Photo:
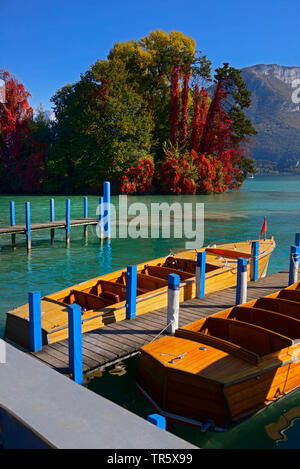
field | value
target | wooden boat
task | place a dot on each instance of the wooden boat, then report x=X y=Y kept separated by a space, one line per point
x=103 y=299
x=225 y=367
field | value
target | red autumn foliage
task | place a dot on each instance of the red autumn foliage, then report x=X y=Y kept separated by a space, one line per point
x=199 y=117
x=184 y=110
x=176 y=175
x=174 y=104
x=138 y=178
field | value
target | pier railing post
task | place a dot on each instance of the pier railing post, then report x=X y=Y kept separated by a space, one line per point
x=297 y=239
x=52 y=218
x=294 y=264
x=254 y=260
x=35 y=322
x=241 y=286
x=28 y=230
x=106 y=200
x=173 y=303
x=68 y=217
x=157 y=420
x=131 y=285
x=200 y=274
x=101 y=215
x=85 y=215
x=75 y=342
x=12 y=223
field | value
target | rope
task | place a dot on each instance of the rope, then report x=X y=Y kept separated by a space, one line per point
x=159 y=333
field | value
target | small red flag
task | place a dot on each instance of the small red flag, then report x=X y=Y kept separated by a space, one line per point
x=264 y=228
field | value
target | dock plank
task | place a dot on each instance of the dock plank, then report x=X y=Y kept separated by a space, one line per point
x=118 y=340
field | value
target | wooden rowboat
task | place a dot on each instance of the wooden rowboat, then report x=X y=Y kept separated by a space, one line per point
x=103 y=299
x=225 y=367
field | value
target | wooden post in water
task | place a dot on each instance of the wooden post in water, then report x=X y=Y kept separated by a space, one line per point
x=173 y=303
x=200 y=274
x=35 y=324
x=106 y=200
x=75 y=342
x=157 y=420
x=294 y=264
x=85 y=215
x=28 y=229
x=297 y=239
x=52 y=218
x=241 y=286
x=68 y=217
x=12 y=223
x=254 y=260
x=131 y=285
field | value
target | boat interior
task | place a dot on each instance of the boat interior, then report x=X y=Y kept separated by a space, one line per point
x=254 y=329
x=104 y=292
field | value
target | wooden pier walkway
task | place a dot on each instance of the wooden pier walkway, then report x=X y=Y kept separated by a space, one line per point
x=109 y=344
x=22 y=229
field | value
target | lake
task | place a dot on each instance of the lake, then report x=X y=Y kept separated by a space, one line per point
x=233 y=216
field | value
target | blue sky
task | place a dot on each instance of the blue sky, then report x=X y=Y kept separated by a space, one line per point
x=48 y=43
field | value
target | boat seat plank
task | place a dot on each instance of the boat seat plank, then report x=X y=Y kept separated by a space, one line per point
x=249 y=336
x=293 y=295
x=163 y=272
x=228 y=253
x=270 y=320
x=279 y=305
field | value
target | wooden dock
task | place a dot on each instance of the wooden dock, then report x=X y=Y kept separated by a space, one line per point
x=22 y=229
x=110 y=344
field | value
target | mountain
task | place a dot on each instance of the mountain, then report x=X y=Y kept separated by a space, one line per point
x=275 y=113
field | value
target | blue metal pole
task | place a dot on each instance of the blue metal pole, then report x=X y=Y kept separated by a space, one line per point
x=52 y=218
x=12 y=214
x=254 y=260
x=35 y=323
x=28 y=230
x=241 y=286
x=68 y=217
x=106 y=199
x=157 y=420
x=200 y=274
x=85 y=215
x=12 y=223
x=101 y=215
x=131 y=285
x=297 y=239
x=294 y=264
x=75 y=342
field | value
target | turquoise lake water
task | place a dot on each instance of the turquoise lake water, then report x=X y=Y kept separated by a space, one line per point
x=233 y=216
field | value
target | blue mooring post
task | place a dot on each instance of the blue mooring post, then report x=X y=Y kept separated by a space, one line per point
x=101 y=215
x=294 y=264
x=297 y=239
x=131 y=285
x=68 y=217
x=241 y=286
x=173 y=303
x=106 y=200
x=52 y=218
x=35 y=324
x=157 y=420
x=200 y=274
x=28 y=230
x=85 y=215
x=254 y=260
x=75 y=342
x=12 y=223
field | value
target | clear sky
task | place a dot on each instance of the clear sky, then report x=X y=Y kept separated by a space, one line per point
x=48 y=43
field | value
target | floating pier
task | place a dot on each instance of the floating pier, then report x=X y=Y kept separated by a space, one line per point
x=110 y=344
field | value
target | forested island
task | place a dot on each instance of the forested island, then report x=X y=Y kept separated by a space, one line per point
x=150 y=118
